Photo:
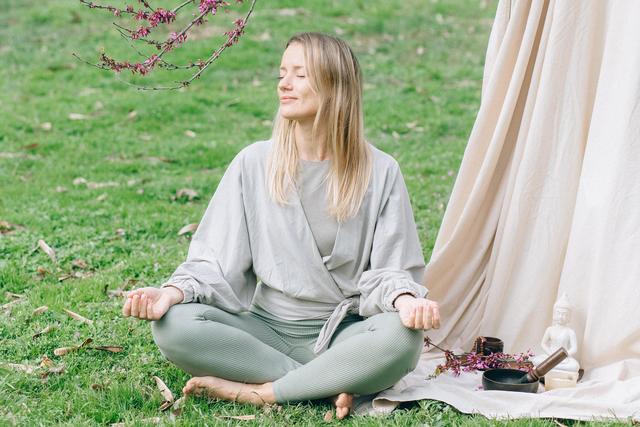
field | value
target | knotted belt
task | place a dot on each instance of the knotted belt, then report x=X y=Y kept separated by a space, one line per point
x=348 y=306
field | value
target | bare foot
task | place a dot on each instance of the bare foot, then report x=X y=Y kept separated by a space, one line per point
x=344 y=403
x=218 y=388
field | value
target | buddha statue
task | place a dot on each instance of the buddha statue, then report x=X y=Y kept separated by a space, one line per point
x=560 y=335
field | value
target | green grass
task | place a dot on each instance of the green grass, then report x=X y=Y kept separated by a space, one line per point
x=419 y=107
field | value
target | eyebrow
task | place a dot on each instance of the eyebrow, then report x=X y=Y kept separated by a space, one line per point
x=295 y=67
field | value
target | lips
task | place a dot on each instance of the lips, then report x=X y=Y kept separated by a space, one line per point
x=287 y=99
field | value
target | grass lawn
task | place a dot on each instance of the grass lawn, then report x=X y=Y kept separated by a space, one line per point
x=101 y=189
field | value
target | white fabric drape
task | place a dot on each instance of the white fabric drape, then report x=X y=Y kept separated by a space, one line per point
x=547 y=201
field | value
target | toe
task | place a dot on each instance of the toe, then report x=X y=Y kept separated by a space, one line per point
x=341 y=412
x=190 y=386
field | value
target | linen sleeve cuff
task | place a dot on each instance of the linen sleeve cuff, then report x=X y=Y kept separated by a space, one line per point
x=186 y=288
x=416 y=291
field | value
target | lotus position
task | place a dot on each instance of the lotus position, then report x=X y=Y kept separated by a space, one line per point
x=303 y=279
x=560 y=335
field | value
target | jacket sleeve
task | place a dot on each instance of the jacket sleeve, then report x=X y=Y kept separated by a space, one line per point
x=218 y=270
x=396 y=264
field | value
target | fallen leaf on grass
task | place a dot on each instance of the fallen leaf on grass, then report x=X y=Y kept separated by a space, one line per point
x=191 y=228
x=165 y=392
x=12 y=296
x=75 y=275
x=132 y=115
x=78 y=317
x=10 y=304
x=47 y=249
x=6 y=227
x=328 y=416
x=154 y=420
x=77 y=116
x=52 y=370
x=165 y=405
x=45 y=362
x=79 y=263
x=5 y=155
x=40 y=310
x=23 y=368
x=117 y=293
x=94 y=185
x=176 y=408
x=120 y=292
x=269 y=408
x=102 y=197
x=65 y=350
x=109 y=348
x=187 y=193
x=239 y=417
x=46 y=126
x=42 y=271
x=60 y=189
x=46 y=330
x=190 y=133
x=30 y=146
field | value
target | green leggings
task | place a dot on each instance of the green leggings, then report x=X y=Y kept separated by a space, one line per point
x=364 y=357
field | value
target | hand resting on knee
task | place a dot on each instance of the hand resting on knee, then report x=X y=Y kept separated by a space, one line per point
x=417 y=313
x=151 y=303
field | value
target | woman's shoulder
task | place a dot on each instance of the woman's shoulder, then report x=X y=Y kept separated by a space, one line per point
x=255 y=152
x=383 y=163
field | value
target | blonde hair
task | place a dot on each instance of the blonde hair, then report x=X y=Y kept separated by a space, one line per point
x=334 y=74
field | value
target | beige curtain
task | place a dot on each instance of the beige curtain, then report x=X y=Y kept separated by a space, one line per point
x=547 y=201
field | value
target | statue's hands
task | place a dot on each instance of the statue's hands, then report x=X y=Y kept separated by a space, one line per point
x=151 y=303
x=418 y=313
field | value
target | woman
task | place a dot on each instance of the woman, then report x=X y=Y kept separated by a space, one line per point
x=324 y=220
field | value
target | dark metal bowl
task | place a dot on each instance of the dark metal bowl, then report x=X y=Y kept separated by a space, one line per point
x=507 y=380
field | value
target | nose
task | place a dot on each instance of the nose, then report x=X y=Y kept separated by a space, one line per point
x=284 y=83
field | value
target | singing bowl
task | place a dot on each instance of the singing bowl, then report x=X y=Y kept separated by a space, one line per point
x=507 y=380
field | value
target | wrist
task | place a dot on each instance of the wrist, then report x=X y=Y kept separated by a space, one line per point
x=402 y=300
x=176 y=296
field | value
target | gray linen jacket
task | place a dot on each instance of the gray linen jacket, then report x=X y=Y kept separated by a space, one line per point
x=244 y=235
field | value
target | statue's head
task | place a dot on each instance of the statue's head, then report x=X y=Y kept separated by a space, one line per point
x=562 y=310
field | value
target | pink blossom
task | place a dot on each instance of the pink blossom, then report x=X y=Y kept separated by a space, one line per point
x=140 y=15
x=139 y=33
x=211 y=5
x=178 y=38
x=234 y=35
x=161 y=16
x=151 y=62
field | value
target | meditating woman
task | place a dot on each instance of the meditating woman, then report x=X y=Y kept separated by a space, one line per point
x=303 y=278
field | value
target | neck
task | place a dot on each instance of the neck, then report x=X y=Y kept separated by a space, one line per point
x=308 y=149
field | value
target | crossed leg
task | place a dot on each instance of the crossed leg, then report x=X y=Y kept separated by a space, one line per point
x=239 y=358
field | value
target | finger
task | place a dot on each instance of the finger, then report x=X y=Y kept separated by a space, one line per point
x=435 y=310
x=419 y=317
x=135 y=305
x=412 y=318
x=126 y=309
x=133 y=292
x=428 y=320
x=143 y=306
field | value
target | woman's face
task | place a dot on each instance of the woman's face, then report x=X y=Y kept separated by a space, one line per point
x=297 y=100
